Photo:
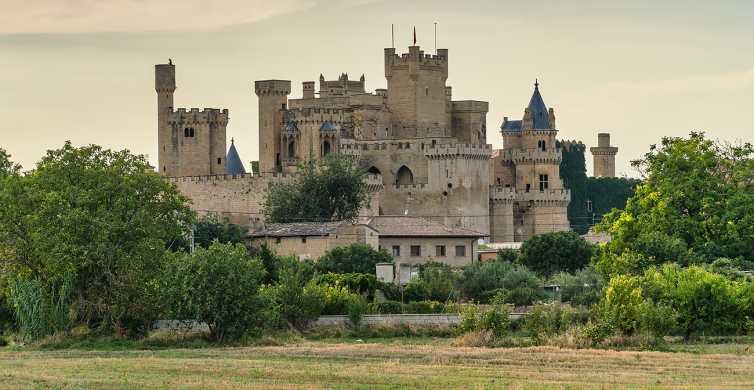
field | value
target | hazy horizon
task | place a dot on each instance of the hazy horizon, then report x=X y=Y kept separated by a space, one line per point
x=82 y=70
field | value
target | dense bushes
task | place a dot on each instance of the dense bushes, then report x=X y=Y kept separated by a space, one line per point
x=218 y=286
x=580 y=288
x=436 y=282
x=546 y=320
x=481 y=281
x=551 y=253
x=355 y=258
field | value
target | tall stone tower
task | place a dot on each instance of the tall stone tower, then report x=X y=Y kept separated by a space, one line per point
x=191 y=142
x=273 y=100
x=604 y=156
x=416 y=92
x=164 y=84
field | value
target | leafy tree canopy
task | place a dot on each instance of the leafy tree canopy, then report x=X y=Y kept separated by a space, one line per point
x=103 y=216
x=333 y=190
x=550 y=253
x=218 y=286
x=354 y=258
x=696 y=204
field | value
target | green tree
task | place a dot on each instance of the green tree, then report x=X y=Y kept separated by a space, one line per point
x=333 y=190
x=697 y=194
x=102 y=216
x=208 y=229
x=481 y=281
x=573 y=173
x=218 y=286
x=436 y=282
x=298 y=299
x=354 y=258
x=550 y=253
x=7 y=166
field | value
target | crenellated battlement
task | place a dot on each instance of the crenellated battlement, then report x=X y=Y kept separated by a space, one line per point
x=239 y=177
x=557 y=197
x=502 y=194
x=197 y=115
x=272 y=87
x=533 y=156
x=415 y=60
x=472 y=151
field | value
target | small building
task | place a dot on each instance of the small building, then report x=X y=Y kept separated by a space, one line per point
x=311 y=240
x=413 y=241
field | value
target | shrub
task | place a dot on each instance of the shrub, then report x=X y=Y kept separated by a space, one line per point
x=551 y=253
x=546 y=320
x=423 y=307
x=356 y=309
x=298 y=301
x=581 y=288
x=337 y=299
x=355 y=258
x=219 y=286
x=362 y=284
x=482 y=280
x=495 y=320
x=436 y=282
x=507 y=255
x=387 y=307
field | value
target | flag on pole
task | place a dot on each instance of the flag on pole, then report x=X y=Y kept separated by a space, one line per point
x=414 y=35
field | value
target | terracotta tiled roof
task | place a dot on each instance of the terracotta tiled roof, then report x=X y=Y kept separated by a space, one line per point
x=404 y=226
x=298 y=229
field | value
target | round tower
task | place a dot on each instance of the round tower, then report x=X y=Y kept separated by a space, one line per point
x=164 y=85
x=604 y=156
x=273 y=101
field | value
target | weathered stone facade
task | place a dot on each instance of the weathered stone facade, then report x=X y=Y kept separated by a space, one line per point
x=427 y=155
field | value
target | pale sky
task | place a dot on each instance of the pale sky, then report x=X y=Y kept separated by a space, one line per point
x=82 y=70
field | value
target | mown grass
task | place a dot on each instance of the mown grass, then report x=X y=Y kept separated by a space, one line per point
x=369 y=365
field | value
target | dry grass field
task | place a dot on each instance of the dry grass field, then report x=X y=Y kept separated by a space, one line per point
x=315 y=365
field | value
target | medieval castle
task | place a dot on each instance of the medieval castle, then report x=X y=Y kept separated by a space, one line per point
x=427 y=153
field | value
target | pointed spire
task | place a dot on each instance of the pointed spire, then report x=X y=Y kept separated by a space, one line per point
x=414 y=35
x=233 y=164
x=538 y=109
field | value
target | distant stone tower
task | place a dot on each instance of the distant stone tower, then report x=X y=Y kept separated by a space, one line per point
x=273 y=101
x=604 y=156
x=191 y=141
x=164 y=84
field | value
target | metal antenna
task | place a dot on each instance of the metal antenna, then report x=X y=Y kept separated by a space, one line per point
x=392 y=35
x=435 y=37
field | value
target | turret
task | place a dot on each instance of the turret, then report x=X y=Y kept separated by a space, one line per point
x=604 y=156
x=164 y=85
x=273 y=101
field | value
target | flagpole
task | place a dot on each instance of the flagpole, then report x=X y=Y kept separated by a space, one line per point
x=435 y=37
x=392 y=35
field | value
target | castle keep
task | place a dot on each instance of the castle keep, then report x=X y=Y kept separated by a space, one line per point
x=427 y=154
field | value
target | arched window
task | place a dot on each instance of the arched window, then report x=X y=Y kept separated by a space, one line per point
x=374 y=171
x=292 y=149
x=404 y=176
x=325 y=148
x=186 y=132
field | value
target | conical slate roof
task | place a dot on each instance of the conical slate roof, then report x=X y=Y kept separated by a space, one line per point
x=233 y=164
x=539 y=110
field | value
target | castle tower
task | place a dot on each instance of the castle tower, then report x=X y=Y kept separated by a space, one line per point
x=416 y=91
x=273 y=101
x=164 y=84
x=191 y=142
x=604 y=156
